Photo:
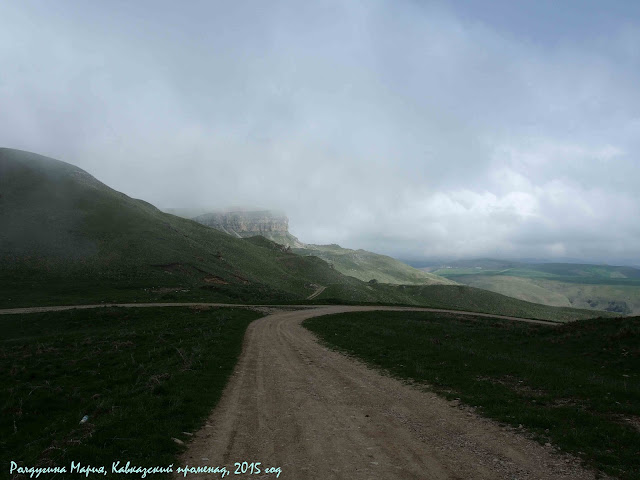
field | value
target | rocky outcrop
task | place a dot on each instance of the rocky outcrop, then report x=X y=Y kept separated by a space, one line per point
x=245 y=224
x=355 y=263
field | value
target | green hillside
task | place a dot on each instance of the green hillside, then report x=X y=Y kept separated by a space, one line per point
x=361 y=264
x=576 y=386
x=368 y=266
x=69 y=239
x=141 y=375
x=455 y=297
x=597 y=287
x=568 y=272
x=282 y=238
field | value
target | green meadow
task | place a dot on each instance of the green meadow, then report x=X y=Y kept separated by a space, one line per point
x=143 y=376
x=575 y=385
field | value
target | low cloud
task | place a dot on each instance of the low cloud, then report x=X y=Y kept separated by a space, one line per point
x=417 y=130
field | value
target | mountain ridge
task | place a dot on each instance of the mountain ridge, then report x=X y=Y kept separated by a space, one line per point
x=69 y=239
x=360 y=264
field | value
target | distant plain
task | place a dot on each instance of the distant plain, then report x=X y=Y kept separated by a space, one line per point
x=598 y=287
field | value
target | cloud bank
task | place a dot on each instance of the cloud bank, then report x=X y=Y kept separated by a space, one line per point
x=414 y=129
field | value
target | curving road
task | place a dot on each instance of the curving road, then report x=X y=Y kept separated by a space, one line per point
x=317 y=414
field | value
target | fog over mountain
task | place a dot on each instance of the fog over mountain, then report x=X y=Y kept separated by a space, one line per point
x=414 y=129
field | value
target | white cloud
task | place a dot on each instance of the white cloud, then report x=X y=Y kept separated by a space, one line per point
x=394 y=126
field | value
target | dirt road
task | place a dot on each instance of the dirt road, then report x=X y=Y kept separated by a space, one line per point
x=316 y=414
x=59 y=308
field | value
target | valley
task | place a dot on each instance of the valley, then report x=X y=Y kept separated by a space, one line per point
x=597 y=287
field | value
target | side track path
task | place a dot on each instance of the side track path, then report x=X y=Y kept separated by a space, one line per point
x=320 y=289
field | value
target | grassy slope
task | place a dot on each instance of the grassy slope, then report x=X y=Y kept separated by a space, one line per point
x=577 y=385
x=597 y=287
x=455 y=297
x=577 y=271
x=622 y=298
x=360 y=264
x=142 y=376
x=69 y=239
x=522 y=288
x=367 y=266
x=282 y=238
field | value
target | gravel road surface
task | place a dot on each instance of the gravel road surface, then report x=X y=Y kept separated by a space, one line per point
x=316 y=414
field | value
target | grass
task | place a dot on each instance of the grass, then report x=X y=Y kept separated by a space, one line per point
x=595 y=287
x=66 y=236
x=367 y=266
x=601 y=296
x=576 y=385
x=454 y=297
x=579 y=273
x=143 y=376
x=69 y=239
x=359 y=264
x=459 y=275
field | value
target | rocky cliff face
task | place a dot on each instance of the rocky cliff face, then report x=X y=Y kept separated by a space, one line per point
x=246 y=224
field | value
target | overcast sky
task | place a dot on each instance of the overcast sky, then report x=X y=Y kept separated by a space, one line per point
x=413 y=128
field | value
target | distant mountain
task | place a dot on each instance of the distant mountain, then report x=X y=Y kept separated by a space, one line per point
x=360 y=264
x=565 y=271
